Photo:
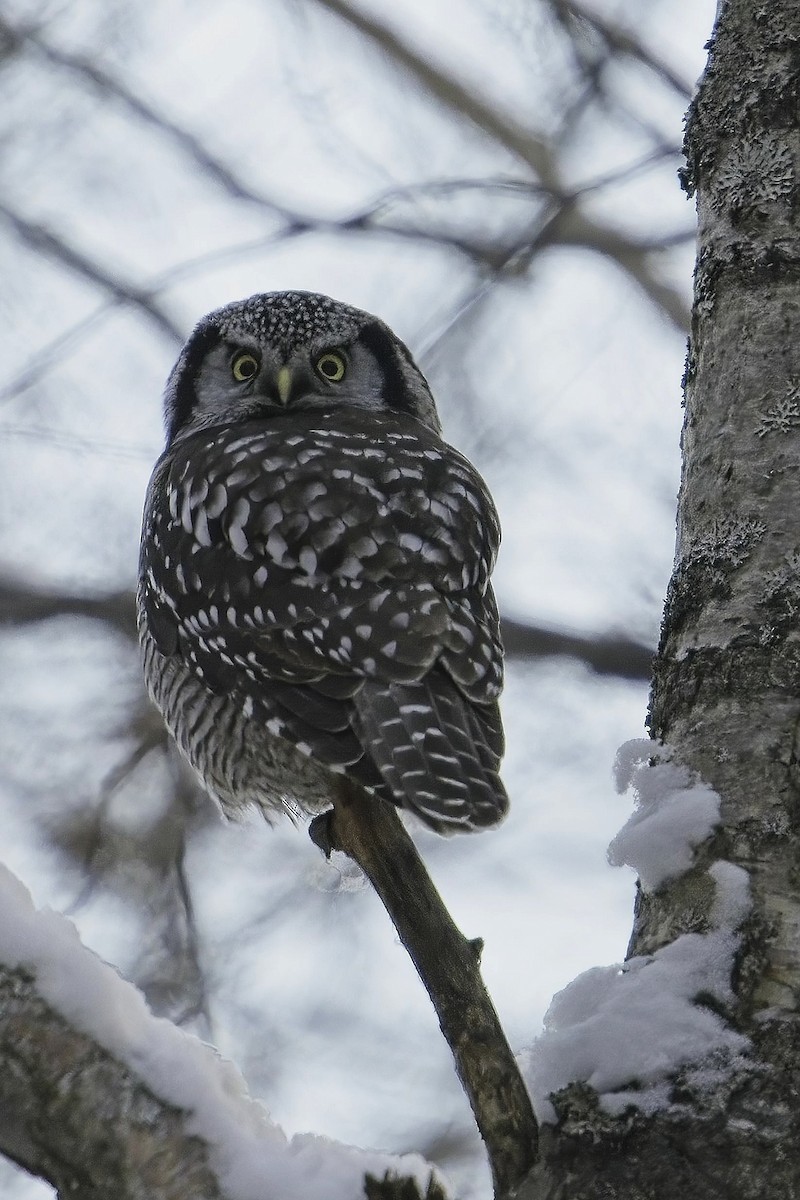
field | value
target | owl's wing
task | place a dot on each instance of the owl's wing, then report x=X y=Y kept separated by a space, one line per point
x=438 y=753
x=343 y=576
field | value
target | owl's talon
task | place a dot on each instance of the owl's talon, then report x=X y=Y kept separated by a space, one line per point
x=321 y=832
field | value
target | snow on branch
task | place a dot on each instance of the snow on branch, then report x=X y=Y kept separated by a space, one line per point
x=626 y=1030
x=102 y=1098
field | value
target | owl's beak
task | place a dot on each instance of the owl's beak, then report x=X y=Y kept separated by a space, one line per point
x=283 y=382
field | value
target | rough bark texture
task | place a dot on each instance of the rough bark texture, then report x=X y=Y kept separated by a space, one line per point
x=449 y=966
x=726 y=691
x=73 y=1115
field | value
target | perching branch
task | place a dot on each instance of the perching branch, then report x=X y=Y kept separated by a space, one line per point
x=372 y=835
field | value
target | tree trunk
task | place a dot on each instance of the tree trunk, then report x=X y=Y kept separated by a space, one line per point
x=726 y=691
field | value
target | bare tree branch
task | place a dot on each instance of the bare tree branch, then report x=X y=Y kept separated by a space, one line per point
x=109 y=85
x=576 y=229
x=523 y=143
x=606 y=655
x=620 y=41
x=565 y=226
x=47 y=243
x=499 y=256
x=22 y=603
x=573 y=228
x=72 y=1114
x=373 y=836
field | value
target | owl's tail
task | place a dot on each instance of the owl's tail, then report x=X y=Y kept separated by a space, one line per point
x=437 y=752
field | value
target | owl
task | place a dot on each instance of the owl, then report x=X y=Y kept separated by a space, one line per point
x=314 y=598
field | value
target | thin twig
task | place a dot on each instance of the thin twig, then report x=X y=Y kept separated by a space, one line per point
x=110 y=85
x=621 y=42
x=43 y=241
x=462 y=99
x=372 y=835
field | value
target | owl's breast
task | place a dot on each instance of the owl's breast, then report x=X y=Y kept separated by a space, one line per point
x=339 y=497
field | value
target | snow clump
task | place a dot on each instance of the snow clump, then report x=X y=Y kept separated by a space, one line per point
x=674 y=813
x=626 y=1029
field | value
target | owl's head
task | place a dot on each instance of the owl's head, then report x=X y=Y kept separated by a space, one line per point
x=281 y=351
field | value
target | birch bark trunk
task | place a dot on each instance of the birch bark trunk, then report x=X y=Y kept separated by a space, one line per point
x=726 y=690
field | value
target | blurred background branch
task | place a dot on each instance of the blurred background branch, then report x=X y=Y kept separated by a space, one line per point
x=21 y=604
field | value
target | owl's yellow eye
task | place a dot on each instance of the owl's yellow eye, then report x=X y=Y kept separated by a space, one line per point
x=244 y=366
x=331 y=366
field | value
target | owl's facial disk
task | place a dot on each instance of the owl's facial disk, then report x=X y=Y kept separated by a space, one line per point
x=291 y=351
x=247 y=381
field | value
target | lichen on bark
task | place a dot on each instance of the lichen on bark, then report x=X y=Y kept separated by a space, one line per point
x=726 y=687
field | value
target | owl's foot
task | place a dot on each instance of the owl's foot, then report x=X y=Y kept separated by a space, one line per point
x=321 y=832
